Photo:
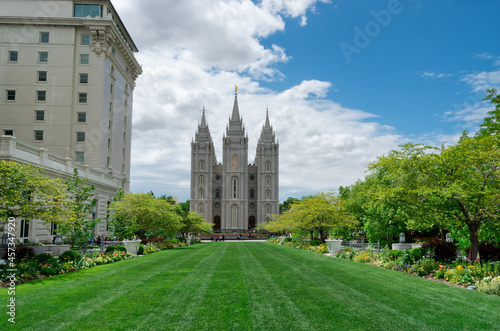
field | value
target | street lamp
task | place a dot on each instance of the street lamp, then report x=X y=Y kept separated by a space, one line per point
x=449 y=239
x=94 y=212
x=58 y=240
x=402 y=238
x=5 y=240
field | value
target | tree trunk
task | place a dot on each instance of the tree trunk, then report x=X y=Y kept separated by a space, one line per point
x=474 y=241
x=312 y=234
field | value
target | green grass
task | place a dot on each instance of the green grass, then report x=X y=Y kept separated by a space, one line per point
x=246 y=286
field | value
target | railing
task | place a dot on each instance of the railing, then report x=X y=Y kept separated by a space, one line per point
x=360 y=245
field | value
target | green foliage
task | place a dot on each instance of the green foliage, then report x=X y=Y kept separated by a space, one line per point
x=319 y=214
x=454 y=188
x=490 y=285
x=22 y=252
x=69 y=256
x=43 y=257
x=112 y=249
x=18 y=185
x=141 y=212
x=287 y=204
x=314 y=242
x=491 y=123
x=79 y=226
x=193 y=222
x=289 y=239
x=140 y=251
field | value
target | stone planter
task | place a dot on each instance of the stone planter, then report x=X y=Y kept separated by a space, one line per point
x=401 y=247
x=281 y=239
x=54 y=250
x=333 y=246
x=132 y=246
x=188 y=241
x=416 y=246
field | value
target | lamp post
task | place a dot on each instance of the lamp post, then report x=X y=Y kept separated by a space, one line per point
x=449 y=239
x=402 y=238
x=5 y=240
x=58 y=240
x=94 y=212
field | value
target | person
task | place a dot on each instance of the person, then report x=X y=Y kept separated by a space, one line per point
x=223 y=238
x=114 y=238
x=98 y=240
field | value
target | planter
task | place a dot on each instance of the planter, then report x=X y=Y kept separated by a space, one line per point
x=188 y=241
x=416 y=246
x=132 y=246
x=333 y=246
x=281 y=239
x=55 y=250
x=401 y=247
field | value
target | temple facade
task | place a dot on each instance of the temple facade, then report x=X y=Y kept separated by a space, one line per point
x=235 y=195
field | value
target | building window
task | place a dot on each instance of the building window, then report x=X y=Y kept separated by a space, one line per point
x=124 y=136
x=85 y=41
x=84 y=59
x=53 y=229
x=252 y=194
x=39 y=115
x=38 y=135
x=88 y=10
x=44 y=37
x=217 y=205
x=268 y=180
x=111 y=86
x=123 y=168
x=126 y=103
x=200 y=208
x=82 y=117
x=80 y=137
x=202 y=165
x=124 y=123
x=268 y=209
x=234 y=188
x=234 y=216
x=252 y=205
x=124 y=152
x=43 y=57
x=268 y=194
x=11 y=95
x=235 y=162
x=268 y=166
x=84 y=78
x=41 y=95
x=109 y=142
x=82 y=97
x=202 y=180
x=252 y=178
x=79 y=156
x=108 y=161
x=110 y=124
x=25 y=227
x=202 y=194
x=8 y=132
x=42 y=76
x=217 y=194
x=110 y=106
x=13 y=56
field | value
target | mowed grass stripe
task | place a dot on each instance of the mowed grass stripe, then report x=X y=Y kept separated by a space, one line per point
x=270 y=306
x=102 y=291
x=246 y=286
x=392 y=299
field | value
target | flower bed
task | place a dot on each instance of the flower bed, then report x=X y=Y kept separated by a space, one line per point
x=319 y=248
x=485 y=276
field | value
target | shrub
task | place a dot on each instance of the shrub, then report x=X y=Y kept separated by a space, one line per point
x=140 y=251
x=364 y=257
x=313 y=242
x=21 y=252
x=43 y=257
x=109 y=249
x=112 y=249
x=395 y=254
x=289 y=239
x=489 y=285
x=417 y=254
x=181 y=239
x=195 y=241
x=443 y=251
x=69 y=256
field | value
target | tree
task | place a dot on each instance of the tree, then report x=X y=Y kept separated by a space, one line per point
x=287 y=204
x=193 y=222
x=491 y=123
x=80 y=224
x=185 y=207
x=26 y=193
x=141 y=212
x=381 y=213
x=456 y=187
x=320 y=214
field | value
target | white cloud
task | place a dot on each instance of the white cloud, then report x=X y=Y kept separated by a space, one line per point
x=435 y=75
x=192 y=53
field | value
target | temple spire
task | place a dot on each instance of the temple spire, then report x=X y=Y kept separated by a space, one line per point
x=236 y=111
x=203 y=120
x=267 y=125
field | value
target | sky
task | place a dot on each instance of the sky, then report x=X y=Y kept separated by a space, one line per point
x=345 y=81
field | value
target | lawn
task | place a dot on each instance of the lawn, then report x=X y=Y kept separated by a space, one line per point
x=246 y=286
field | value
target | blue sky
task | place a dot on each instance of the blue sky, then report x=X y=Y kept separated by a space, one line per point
x=416 y=76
